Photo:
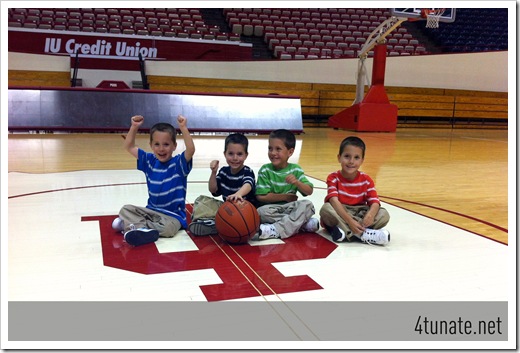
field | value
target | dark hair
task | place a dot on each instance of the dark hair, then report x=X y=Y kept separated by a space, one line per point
x=286 y=136
x=238 y=139
x=352 y=141
x=164 y=127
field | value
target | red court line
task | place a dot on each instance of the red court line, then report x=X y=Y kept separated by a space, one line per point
x=505 y=230
x=452 y=225
x=448 y=211
x=72 y=188
x=85 y=187
x=322 y=188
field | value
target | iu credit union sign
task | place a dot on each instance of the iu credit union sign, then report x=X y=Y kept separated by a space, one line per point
x=120 y=52
x=102 y=47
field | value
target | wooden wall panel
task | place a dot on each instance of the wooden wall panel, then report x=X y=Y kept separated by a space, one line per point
x=38 y=78
x=317 y=99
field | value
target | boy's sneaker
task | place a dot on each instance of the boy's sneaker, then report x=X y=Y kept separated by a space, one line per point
x=311 y=226
x=118 y=225
x=203 y=227
x=141 y=236
x=376 y=236
x=338 y=235
x=268 y=231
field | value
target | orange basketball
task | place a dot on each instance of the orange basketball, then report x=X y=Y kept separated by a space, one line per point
x=237 y=222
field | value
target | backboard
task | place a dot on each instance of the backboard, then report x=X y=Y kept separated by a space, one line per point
x=419 y=13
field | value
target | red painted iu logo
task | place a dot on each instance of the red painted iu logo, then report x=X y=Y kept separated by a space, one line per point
x=246 y=271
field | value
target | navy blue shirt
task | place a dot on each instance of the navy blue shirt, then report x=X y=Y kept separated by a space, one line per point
x=228 y=183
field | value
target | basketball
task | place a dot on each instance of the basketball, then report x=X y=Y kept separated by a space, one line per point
x=237 y=222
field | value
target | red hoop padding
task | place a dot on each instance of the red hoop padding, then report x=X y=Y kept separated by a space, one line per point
x=426 y=12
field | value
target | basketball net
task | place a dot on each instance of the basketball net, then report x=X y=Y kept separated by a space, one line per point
x=432 y=17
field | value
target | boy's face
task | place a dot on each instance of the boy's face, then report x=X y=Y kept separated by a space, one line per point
x=350 y=160
x=235 y=154
x=278 y=153
x=162 y=146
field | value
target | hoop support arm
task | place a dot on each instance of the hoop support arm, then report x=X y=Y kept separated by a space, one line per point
x=379 y=34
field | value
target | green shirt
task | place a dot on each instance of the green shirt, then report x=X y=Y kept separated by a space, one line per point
x=271 y=180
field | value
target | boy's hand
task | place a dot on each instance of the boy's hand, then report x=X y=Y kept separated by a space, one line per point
x=291 y=197
x=356 y=227
x=235 y=198
x=137 y=120
x=291 y=179
x=368 y=220
x=181 y=120
x=213 y=165
x=303 y=188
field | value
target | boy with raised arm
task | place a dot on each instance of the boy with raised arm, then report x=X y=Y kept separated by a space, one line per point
x=166 y=179
x=235 y=182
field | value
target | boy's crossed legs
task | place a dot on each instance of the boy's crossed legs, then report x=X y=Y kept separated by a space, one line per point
x=142 y=225
x=340 y=230
x=285 y=220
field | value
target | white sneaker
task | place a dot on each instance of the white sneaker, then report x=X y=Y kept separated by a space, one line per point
x=376 y=236
x=311 y=226
x=268 y=231
x=118 y=225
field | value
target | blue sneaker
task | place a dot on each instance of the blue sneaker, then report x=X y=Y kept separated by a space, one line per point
x=337 y=234
x=141 y=236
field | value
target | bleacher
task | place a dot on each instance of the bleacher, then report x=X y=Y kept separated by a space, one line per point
x=288 y=33
x=167 y=22
x=298 y=34
x=319 y=33
x=302 y=33
x=475 y=30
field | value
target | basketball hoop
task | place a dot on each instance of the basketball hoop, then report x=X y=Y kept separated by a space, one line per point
x=432 y=17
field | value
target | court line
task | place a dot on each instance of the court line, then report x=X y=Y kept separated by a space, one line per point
x=280 y=315
x=87 y=187
x=71 y=188
x=448 y=211
x=505 y=230
x=449 y=224
x=316 y=187
x=274 y=292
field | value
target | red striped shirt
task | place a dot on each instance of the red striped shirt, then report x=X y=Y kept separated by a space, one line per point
x=360 y=191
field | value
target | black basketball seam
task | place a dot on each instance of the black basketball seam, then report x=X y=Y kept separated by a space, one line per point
x=228 y=223
x=243 y=218
x=239 y=237
x=249 y=231
x=255 y=212
x=244 y=222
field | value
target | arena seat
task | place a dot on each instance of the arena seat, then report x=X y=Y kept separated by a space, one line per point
x=330 y=28
x=155 y=22
x=345 y=29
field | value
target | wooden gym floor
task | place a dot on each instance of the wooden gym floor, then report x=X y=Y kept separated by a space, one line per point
x=446 y=192
x=456 y=176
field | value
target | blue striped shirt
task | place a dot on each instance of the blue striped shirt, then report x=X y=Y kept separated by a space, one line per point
x=167 y=183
